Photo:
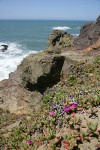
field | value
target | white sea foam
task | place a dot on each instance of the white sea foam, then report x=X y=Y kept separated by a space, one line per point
x=61 y=28
x=11 y=58
x=75 y=35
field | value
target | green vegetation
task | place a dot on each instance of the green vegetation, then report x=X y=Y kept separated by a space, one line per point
x=58 y=123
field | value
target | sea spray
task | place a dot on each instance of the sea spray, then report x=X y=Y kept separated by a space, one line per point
x=10 y=59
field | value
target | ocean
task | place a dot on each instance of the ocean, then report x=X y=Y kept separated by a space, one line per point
x=24 y=37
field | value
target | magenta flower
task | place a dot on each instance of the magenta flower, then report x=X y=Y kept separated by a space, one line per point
x=29 y=142
x=66 y=108
x=52 y=113
x=73 y=106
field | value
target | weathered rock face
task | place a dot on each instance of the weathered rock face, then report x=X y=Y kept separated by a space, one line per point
x=89 y=35
x=21 y=93
x=41 y=71
x=15 y=98
x=58 y=40
x=94 y=47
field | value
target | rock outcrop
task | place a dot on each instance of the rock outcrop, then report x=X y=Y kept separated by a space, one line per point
x=3 y=48
x=57 y=41
x=89 y=35
x=22 y=92
x=41 y=71
x=95 y=46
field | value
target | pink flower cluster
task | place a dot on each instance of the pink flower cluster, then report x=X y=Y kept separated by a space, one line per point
x=29 y=142
x=71 y=107
x=52 y=113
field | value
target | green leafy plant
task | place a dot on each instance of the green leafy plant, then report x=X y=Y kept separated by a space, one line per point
x=71 y=80
x=46 y=99
x=93 y=128
x=97 y=60
x=83 y=136
x=69 y=142
x=74 y=121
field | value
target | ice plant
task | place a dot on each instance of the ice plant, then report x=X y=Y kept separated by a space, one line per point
x=93 y=129
x=66 y=144
x=29 y=142
x=52 y=113
x=92 y=126
x=73 y=106
x=67 y=108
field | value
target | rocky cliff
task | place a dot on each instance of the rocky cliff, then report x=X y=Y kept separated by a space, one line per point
x=56 y=96
x=23 y=91
x=89 y=36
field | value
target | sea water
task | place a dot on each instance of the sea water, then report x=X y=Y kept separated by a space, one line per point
x=24 y=37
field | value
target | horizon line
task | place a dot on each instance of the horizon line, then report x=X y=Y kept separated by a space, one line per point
x=50 y=19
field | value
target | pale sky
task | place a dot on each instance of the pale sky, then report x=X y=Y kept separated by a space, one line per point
x=50 y=9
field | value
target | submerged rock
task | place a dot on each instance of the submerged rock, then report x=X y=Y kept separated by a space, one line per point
x=3 y=47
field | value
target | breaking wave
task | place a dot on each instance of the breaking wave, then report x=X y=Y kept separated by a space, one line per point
x=61 y=28
x=11 y=58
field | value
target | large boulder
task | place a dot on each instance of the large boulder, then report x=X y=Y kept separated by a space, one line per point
x=22 y=92
x=89 y=35
x=41 y=71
